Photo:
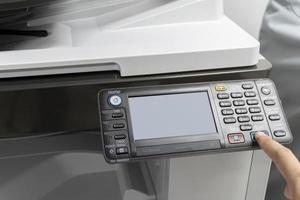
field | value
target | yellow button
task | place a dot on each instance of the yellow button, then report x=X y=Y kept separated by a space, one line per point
x=221 y=87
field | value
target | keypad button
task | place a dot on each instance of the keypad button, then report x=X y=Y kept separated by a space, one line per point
x=242 y=119
x=241 y=111
x=115 y=100
x=252 y=102
x=122 y=150
x=223 y=96
x=246 y=127
x=120 y=137
x=274 y=117
x=279 y=133
x=119 y=126
x=257 y=118
x=236 y=95
x=239 y=103
x=255 y=110
x=269 y=102
x=247 y=86
x=236 y=138
x=265 y=90
x=227 y=112
x=229 y=120
x=250 y=94
x=225 y=103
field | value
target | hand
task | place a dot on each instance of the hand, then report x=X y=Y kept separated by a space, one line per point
x=285 y=161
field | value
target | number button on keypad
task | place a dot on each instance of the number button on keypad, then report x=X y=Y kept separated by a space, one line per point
x=229 y=120
x=239 y=103
x=254 y=109
x=252 y=102
x=241 y=111
x=225 y=103
x=243 y=119
x=223 y=96
x=257 y=118
x=246 y=127
x=236 y=95
x=227 y=112
x=250 y=94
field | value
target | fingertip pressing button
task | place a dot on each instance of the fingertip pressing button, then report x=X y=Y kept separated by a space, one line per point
x=253 y=134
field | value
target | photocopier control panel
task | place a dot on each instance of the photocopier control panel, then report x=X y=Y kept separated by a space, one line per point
x=174 y=120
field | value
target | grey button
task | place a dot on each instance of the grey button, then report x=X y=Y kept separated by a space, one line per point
x=250 y=94
x=239 y=103
x=279 y=133
x=269 y=102
x=117 y=115
x=255 y=110
x=119 y=126
x=274 y=117
x=122 y=150
x=257 y=118
x=236 y=95
x=112 y=114
x=266 y=90
x=229 y=120
x=241 y=111
x=227 y=112
x=247 y=86
x=223 y=96
x=120 y=137
x=115 y=100
x=225 y=103
x=242 y=119
x=246 y=127
x=252 y=102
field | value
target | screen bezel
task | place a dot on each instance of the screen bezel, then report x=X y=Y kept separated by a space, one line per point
x=150 y=91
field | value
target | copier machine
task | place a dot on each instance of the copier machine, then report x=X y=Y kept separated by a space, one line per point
x=55 y=58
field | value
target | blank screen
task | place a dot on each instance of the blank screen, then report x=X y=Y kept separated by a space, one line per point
x=172 y=115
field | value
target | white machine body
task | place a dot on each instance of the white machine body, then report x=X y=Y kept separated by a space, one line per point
x=168 y=37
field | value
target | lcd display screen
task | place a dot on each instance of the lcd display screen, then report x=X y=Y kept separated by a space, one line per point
x=172 y=115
